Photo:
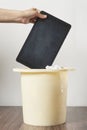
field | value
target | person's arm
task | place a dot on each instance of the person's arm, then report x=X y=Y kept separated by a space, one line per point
x=16 y=16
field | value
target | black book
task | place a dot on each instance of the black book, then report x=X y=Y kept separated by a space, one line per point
x=43 y=42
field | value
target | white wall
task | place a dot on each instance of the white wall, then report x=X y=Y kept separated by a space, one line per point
x=72 y=54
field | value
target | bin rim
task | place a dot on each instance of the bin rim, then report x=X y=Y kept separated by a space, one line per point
x=28 y=70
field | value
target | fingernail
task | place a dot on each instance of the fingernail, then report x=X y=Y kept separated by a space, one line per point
x=45 y=16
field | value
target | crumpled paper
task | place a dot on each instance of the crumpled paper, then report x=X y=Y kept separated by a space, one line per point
x=53 y=67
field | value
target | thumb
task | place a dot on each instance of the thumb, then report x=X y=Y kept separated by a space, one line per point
x=42 y=16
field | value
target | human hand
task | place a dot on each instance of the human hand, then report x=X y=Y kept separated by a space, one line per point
x=30 y=16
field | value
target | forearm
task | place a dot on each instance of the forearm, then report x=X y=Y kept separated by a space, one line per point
x=7 y=15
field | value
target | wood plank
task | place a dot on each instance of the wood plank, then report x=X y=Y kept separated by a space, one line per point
x=10 y=118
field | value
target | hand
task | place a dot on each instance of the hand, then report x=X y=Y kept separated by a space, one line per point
x=31 y=15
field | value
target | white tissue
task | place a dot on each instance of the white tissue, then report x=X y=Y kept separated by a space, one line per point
x=54 y=67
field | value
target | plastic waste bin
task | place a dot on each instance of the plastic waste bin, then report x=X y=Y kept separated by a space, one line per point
x=44 y=94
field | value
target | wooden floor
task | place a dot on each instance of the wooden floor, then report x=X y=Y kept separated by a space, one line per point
x=11 y=119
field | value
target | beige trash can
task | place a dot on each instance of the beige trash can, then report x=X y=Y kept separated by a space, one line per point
x=44 y=94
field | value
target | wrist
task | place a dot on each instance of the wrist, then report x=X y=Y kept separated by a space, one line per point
x=17 y=16
x=21 y=17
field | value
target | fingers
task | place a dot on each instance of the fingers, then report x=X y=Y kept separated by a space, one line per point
x=31 y=15
x=38 y=14
x=33 y=20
